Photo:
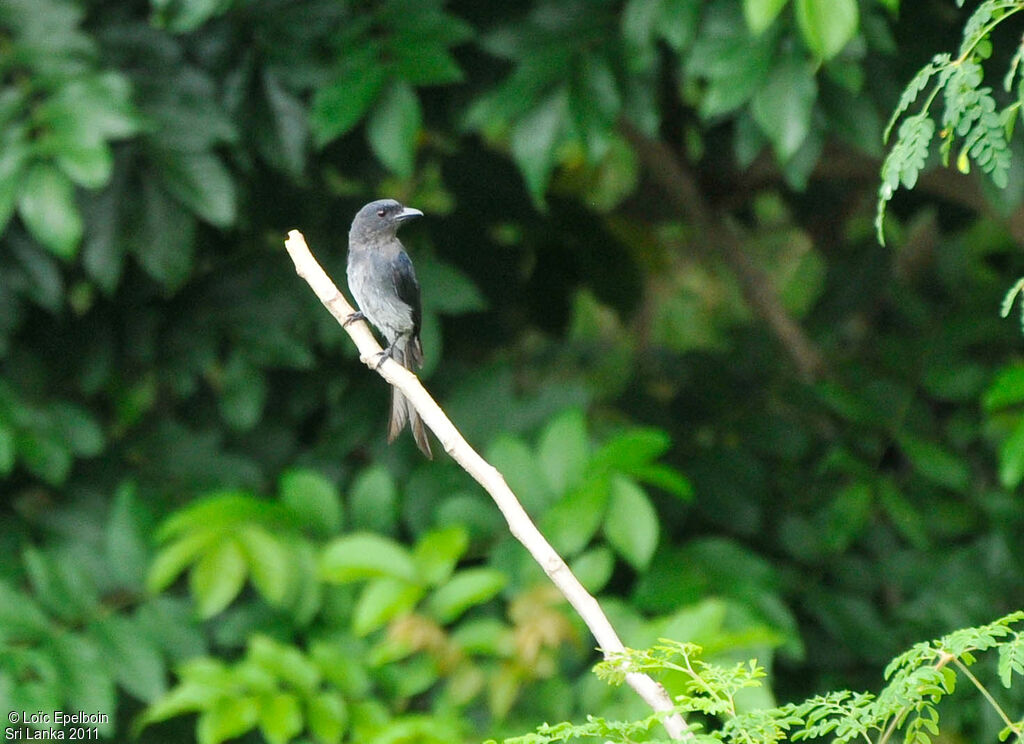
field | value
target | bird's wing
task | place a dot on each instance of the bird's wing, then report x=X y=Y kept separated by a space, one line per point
x=408 y=288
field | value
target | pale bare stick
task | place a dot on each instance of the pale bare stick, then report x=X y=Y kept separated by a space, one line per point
x=519 y=522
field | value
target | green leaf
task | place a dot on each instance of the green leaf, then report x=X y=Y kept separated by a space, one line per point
x=45 y=455
x=281 y=718
x=87 y=162
x=313 y=499
x=79 y=430
x=381 y=601
x=935 y=463
x=760 y=14
x=1011 y=457
x=732 y=62
x=535 y=138
x=7 y=449
x=1007 y=389
x=218 y=577
x=230 y=717
x=126 y=549
x=393 y=128
x=270 y=563
x=373 y=500
x=632 y=449
x=339 y=106
x=594 y=568
x=327 y=717
x=447 y=289
x=464 y=590
x=437 y=552
x=164 y=241
x=173 y=559
x=826 y=25
x=631 y=524
x=19 y=612
x=201 y=182
x=564 y=450
x=518 y=464
x=243 y=393
x=666 y=478
x=183 y=16
x=285 y=663
x=783 y=106
x=131 y=657
x=365 y=555
x=219 y=511
x=47 y=205
x=14 y=155
x=425 y=63
x=571 y=523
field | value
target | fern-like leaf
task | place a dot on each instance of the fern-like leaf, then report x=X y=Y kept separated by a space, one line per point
x=1011 y=660
x=904 y=162
x=977 y=26
x=917 y=84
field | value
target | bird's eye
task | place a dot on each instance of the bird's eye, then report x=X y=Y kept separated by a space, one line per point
x=381 y=212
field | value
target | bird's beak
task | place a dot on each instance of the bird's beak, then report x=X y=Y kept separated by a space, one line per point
x=408 y=213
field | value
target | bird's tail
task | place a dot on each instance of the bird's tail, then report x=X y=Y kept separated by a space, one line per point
x=409 y=354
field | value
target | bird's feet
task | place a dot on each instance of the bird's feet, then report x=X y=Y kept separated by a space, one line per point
x=388 y=353
x=357 y=315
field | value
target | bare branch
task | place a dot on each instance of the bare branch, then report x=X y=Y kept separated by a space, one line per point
x=519 y=522
x=758 y=289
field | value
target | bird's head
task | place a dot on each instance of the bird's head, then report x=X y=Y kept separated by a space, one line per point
x=381 y=218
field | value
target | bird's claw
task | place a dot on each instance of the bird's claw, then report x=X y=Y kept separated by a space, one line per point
x=352 y=318
x=387 y=353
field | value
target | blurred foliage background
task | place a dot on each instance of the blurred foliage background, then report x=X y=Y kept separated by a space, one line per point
x=652 y=296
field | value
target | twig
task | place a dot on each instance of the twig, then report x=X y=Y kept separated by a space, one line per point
x=486 y=475
x=758 y=289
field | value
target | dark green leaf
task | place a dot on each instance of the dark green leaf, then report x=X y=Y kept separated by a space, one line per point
x=393 y=128
x=125 y=546
x=131 y=657
x=339 y=106
x=201 y=182
x=783 y=106
x=242 y=395
x=933 y=462
x=535 y=138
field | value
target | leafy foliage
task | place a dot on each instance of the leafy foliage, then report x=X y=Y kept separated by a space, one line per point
x=969 y=112
x=633 y=209
x=917 y=681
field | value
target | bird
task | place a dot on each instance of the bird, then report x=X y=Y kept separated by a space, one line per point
x=383 y=284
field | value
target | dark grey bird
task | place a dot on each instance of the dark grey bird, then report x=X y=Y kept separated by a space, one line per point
x=383 y=283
